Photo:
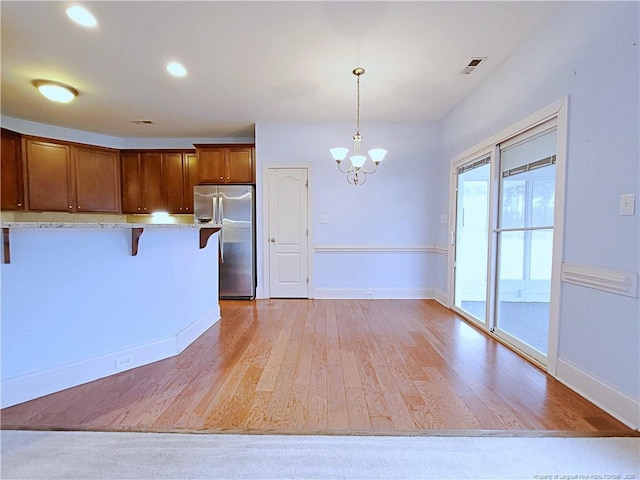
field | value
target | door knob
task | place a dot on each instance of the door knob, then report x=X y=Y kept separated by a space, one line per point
x=273 y=240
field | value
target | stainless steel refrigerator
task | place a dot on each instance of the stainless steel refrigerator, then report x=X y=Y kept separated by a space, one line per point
x=232 y=207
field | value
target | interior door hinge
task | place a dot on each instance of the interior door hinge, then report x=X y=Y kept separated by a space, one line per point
x=306 y=184
x=307 y=280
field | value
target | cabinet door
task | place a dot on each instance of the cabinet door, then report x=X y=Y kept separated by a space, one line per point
x=174 y=182
x=240 y=165
x=97 y=180
x=131 y=183
x=152 y=182
x=190 y=166
x=11 y=172
x=211 y=165
x=48 y=176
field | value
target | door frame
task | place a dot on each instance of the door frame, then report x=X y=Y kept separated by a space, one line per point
x=558 y=110
x=264 y=241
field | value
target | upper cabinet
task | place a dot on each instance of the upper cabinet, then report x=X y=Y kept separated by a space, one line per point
x=180 y=176
x=142 y=188
x=63 y=177
x=225 y=164
x=154 y=181
x=97 y=179
x=11 y=188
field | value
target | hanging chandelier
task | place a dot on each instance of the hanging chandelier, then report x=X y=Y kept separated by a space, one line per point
x=356 y=173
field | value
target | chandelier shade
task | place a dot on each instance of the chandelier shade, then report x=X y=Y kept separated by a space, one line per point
x=356 y=173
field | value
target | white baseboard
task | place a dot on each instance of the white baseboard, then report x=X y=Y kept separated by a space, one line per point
x=44 y=382
x=383 y=293
x=440 y=297
x=612 y=401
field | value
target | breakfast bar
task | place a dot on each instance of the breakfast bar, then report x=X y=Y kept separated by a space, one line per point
x=81 y=301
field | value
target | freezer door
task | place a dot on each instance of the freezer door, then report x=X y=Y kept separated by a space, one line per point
x=205 y=203
x=237 y=267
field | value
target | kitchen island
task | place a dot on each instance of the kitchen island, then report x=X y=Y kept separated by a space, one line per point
x=81 y=301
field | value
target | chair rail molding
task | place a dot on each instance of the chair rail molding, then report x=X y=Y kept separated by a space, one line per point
x=431 y=249
x=607 y=280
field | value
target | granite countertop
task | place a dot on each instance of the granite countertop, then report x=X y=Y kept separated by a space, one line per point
x=106 y=225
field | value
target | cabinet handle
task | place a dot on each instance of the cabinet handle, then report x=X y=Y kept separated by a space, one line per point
x=221 y=178
x=19 y=204
x=138 y=208
x=79 y=207
x=70 y=206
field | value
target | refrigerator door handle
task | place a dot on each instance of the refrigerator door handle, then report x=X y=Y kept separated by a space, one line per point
x=214 y=205
x=220 y=216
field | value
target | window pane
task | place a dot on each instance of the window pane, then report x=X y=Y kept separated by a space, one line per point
x=543 y=197
x=512 y=208
x=472 y=236
x=541 y=254
x=512 y=255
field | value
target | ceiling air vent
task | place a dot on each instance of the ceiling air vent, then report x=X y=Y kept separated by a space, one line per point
x=475 y=61
x=142 y=122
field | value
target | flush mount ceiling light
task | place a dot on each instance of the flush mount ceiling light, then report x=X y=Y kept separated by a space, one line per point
x=56 y=91
x=356 y=174
x=176 y=69
x=81 y=16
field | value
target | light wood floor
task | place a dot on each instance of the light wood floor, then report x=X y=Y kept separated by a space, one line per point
x=327 y=366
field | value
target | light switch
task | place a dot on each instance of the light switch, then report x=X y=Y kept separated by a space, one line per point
x=628 y=204
x=324 y=218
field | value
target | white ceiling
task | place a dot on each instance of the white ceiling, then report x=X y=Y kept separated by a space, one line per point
x=251 y=62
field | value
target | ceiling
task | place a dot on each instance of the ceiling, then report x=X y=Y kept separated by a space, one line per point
x=251 y=62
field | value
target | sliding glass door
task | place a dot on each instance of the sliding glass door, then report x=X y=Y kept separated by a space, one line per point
x=503 y=238
x=472 y=237
x=525 y=240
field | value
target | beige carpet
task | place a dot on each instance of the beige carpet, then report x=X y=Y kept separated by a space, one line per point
x=76 y=455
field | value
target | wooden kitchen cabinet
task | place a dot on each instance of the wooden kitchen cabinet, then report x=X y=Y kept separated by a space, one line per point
x=180 y=176
x=97 y=179
x=11 y=186
x=49 y=176
x=225 y=164
x=63 y=177
x=142 y=182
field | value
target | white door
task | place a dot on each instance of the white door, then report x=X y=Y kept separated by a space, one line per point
x=288 y=233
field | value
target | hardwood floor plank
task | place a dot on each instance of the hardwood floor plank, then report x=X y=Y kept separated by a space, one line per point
x=328 y=366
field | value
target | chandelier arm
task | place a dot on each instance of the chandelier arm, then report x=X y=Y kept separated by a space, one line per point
x=343 y=171
x=375 y=167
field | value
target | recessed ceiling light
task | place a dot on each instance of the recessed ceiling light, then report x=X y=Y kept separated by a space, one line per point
x=56 y=91
x=81 y=16
x=174 y=68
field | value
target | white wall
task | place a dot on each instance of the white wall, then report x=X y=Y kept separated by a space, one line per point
x=589 y=51
x=73 y=301
x=395 y=208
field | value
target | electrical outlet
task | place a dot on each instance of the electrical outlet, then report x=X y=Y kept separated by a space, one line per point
x=124 y=362
x=368 y=294
x=324 y=218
